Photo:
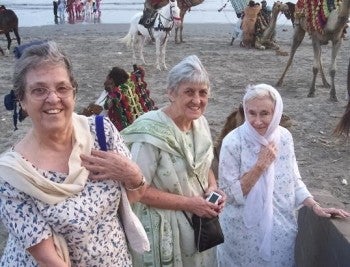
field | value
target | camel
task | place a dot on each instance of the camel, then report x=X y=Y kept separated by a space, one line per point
x=249 y=23
x=311 y=16
x=263 y=30
x=290 y=13
x=124 y=97
x=184 y=5
x=265 y=39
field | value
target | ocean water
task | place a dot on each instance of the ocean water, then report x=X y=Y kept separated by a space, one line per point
x=40 y=12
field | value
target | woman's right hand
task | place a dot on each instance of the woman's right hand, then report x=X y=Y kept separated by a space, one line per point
x=266 y=156
x=111 y=165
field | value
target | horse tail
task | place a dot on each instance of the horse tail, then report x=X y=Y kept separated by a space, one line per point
x=126 y=39
x=133 y=30
x=343 y=126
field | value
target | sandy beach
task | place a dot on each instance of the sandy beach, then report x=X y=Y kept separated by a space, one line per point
x=324 y=160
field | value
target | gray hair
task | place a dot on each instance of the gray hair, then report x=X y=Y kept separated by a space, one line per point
x=259 y=91
x=189 y=70
x=46 y=53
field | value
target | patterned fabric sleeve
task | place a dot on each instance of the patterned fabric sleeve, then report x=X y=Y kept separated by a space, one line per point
x=21 y=217
x=301 y=191
x=230 y=166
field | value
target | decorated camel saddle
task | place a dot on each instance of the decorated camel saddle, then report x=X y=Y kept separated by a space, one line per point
x=316 y=13
x=125 y=97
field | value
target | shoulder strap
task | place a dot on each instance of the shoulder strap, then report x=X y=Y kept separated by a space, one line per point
x=200 y=183
x=100 y=132
x=188 y=219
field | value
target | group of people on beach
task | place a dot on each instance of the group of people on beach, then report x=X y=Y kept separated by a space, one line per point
x=74 y=191
x=76 y=10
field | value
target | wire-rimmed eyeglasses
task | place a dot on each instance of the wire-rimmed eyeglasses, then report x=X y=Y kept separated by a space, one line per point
x=41 y=93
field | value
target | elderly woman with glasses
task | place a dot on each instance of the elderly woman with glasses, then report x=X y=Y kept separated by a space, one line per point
x=63 y=201
x=173 y=147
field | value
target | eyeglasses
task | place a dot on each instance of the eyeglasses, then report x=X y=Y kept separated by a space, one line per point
x=42 y=93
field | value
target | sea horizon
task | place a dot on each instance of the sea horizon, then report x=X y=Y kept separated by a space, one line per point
x=40 y=12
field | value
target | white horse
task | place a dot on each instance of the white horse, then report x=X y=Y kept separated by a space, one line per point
x=166 y=18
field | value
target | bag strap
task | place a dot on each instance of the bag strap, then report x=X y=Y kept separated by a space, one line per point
x=200 y=183
x=100 y=132
x=188 y=219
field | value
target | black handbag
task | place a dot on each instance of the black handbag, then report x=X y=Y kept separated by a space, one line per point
x=207 y=231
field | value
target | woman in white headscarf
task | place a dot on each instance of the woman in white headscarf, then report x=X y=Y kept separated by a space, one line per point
x=258 y=171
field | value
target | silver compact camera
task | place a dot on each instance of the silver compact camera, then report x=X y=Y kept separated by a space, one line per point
x=214 y=197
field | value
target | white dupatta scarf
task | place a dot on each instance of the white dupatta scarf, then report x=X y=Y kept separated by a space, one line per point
x=258 y=206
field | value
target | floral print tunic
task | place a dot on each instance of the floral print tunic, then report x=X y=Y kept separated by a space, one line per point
x=88 y=221
x=241 y=246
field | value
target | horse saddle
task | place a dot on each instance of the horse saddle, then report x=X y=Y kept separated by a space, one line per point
x=148 y=18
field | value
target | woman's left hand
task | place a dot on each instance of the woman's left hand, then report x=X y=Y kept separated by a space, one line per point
x=330 y=212
x=222 y=200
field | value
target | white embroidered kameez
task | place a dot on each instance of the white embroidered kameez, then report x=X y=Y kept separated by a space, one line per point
x=241 y=247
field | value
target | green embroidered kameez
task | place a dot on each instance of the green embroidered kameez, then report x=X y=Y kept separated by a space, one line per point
x=170 y=159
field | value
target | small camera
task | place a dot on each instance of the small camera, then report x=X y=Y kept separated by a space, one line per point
x=214 y=197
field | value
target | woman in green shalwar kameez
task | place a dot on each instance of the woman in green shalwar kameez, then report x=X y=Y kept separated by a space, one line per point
x=172 y=146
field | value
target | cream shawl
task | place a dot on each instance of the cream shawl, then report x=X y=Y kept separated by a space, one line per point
x=20 y=174
x=259 y=207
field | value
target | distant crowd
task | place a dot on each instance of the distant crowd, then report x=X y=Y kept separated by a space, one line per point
x=77 y=10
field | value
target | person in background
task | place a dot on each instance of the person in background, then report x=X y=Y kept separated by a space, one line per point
x=239 y=6
x=258 y=171
x=174 y=150
x=63 y=201
x=62 y=10
x=55 y=8
x=248 y=24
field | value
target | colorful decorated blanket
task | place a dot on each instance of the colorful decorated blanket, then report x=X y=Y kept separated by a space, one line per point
x=129 y=100
x=316 y=12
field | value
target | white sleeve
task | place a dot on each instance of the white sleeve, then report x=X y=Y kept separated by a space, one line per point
x=230 y=168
